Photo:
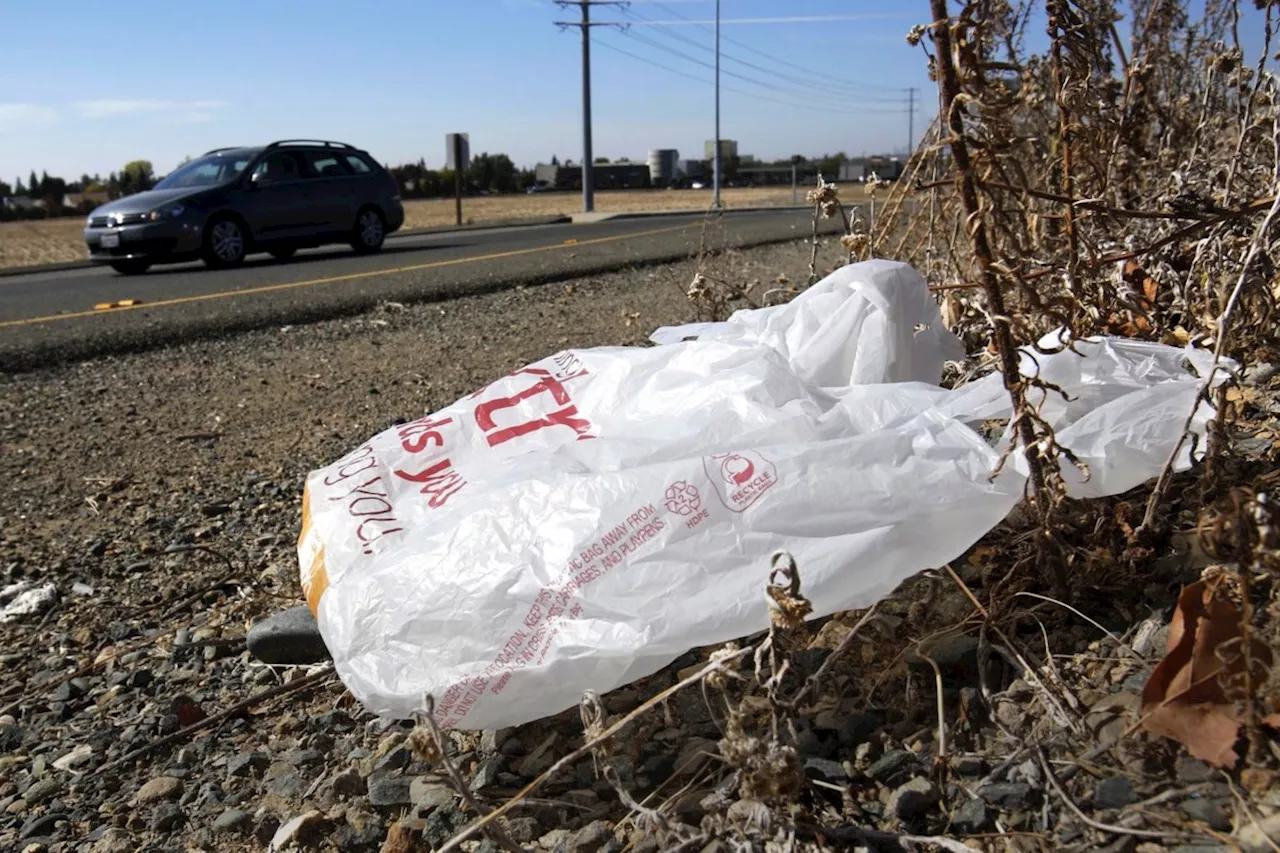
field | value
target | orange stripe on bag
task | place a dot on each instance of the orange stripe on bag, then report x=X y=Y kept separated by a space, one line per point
x=316 y=582
x=316 y=579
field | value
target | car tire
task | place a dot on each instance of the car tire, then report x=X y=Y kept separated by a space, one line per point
x=225 y=243
x=369 y=231
x=131 y=267
x=283 y=254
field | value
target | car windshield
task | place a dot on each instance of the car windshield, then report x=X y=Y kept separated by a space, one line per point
x=206 y=172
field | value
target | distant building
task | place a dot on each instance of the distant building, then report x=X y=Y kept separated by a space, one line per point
x=605 y=176
x=728 y=149
x=861 y=168
x=76 y=200
x=21 y=202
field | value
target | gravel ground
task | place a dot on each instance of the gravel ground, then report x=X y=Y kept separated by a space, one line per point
x=157 y=495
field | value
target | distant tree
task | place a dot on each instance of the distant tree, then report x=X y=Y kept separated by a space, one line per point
x=94 y=187
x=601 y=160
x=555 y=161
x=139 y=175
x=493 y=172
x=829 y=165
x=18 y=188
x=5 y=190
x=33 y=185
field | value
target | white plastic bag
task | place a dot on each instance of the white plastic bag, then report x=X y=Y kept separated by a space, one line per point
x=584 y=521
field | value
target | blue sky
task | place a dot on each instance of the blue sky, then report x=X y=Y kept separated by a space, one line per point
x=159 y=79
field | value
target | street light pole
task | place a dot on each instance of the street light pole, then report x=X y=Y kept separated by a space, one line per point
x=715 y=168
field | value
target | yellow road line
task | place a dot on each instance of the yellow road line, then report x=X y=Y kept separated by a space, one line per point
x=249 y=291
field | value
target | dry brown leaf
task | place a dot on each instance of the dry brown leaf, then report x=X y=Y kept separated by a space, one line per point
x=1191 y=694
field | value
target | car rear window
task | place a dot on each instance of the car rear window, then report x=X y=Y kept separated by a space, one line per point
x=325 y=165
x=358 y=164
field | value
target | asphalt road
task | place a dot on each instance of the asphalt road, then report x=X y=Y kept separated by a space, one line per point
x=50 y=317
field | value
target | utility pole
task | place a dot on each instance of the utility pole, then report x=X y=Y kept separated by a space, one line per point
x=715 y=167
x=911 y=120
x=585 y=25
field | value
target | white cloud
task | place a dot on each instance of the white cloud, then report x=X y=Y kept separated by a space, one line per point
x=17 y=116
x=113 y=108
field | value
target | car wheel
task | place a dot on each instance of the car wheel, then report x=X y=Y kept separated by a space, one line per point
x=283 y=254
x=224 y=243
x=131 y=267
x=369 y=232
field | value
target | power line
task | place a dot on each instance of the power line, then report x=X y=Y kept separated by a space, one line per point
x=833 y=87
x=811 y=96
x=819 y=74
x=609 y=46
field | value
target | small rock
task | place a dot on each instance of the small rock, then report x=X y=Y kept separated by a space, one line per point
x=75 y=757
x=487 y=773
x=858 y=728
x=115 y=841
x=1006 y=795
x=284 y=781
x=246 y=764
x=362 y=832
x=42 y=826
x=913 y=799
x=442 y=824
x=233 y=821
x=397 y=758
x=427 y=794
x=893 y=767
x=969 y=765
x=955 y=653
x=16 y=807
x=523 y=830
x=167 y=817
x=1261 y=837
x=1114 y=792
x=389 y=789
x=1260 y=373
x=349 y=783
x=404 y=836
x=159 y=788
x=1192 y=771
x=590 y=838
x=971 y=818
x=288 y=637
x=555 y=839
x=1208 y=812
x=42 y=790
x=832 y=772
x=491 y=740
x=36 y=847
x=304 y=831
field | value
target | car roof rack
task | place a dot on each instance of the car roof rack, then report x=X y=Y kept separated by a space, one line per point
x=226 y=148
x=318 y=142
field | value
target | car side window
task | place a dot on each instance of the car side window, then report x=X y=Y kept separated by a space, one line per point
x=358 y=165
x=277 y=167
x=323 y=164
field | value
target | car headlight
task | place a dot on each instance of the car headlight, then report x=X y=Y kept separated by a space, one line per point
x=169 y=211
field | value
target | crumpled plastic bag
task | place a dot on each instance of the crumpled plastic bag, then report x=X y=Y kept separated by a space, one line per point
x=587 y=519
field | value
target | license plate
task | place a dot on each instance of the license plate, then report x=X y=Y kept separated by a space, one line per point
x=110 y=241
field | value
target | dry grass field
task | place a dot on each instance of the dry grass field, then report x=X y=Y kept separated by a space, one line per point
x=60 y=240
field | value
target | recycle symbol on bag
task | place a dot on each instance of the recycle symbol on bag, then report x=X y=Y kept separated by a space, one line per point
x=682 y=498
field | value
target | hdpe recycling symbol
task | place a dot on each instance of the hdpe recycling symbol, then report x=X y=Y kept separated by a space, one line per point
x=682 y=498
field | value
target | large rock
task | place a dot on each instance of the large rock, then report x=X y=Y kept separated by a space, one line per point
x=288 y=637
